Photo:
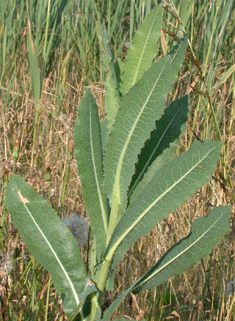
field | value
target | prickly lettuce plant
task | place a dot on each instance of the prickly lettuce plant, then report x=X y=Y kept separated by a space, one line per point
x=130 y=181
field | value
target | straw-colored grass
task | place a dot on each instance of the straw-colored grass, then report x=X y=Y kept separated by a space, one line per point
x=37 y=119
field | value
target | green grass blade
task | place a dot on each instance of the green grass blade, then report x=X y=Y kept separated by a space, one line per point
x=169 y=189
x=159 y=149
x=136 y=117
x=185 y=10
x=143 y=50
x=223 y=78
x=131 y=21
x=48 y=239
x=34 y=68
x=88 y=151
x=115 y=23
x=205 y=234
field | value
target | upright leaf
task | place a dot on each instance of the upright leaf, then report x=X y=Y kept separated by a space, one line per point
x=112 y=96
x=143 y=50
x=139 y=109
x=169 y=189
x=33 y=64
x=49 y=240
x=205 y=234
x=88 y=151
x=159 y=149
x=104 y=133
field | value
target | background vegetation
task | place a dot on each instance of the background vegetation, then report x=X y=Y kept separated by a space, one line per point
x=50 y=52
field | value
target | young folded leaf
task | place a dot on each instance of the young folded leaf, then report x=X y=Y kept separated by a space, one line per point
x=159 y=149
x=171 y=187
x=49 y=241
x=139 y=109
x=88 y=152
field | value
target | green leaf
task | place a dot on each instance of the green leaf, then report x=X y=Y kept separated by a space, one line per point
x=88 y=151
x=142 y=105
x=159 y=149
x=89 y=288
x=33 y=64
x=205 y=234
x=112 y=96
x=223 y=78
x=104 y=133
x=170 y=188
x=48 y=239
x=185 y=10
x=143 y=50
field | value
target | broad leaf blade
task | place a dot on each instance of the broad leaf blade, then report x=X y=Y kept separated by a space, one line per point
x=142 y=51
x=104 y=133
x=112 y=96
x=159 y=149
x=139 y=109
x=88 y=151
x=48 y=239
x=170 y=188
x=205 y=234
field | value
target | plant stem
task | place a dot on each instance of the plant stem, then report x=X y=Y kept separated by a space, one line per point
x=113 y=219
x=35 y=133
x=94 y=305
x=103 y=275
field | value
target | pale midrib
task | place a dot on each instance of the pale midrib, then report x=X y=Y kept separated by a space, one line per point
x=181 y=253
x=122 y=237
x=142 y=54
x=116 y=189
x=57 y=258
x=175 y=55
x=96 y=178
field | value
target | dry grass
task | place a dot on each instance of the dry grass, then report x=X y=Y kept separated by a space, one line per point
x=199 y=294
